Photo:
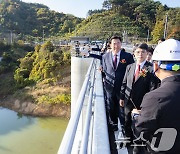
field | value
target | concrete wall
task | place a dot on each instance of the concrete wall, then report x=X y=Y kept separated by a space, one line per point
x=79 y=67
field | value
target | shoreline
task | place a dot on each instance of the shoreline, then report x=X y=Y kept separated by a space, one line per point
x=37 y=110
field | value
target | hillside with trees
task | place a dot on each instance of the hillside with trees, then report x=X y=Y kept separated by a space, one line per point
x=40 y=75
x=38 y=78
x=135 y=18
x=31 y=21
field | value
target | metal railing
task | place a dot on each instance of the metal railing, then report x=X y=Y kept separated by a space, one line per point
x=95 y=133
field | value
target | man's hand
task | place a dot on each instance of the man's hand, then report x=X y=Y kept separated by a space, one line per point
x=136 y=111
x=121 y=103
x=100 y=69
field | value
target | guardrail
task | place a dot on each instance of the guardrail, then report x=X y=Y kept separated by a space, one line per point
x=95 y=133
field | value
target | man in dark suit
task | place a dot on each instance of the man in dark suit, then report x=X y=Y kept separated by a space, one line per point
x=138 y=80
x=114 y=65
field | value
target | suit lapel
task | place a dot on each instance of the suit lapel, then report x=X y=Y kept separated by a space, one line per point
x=145 y=66
x=110 y=59
x=122 y=56
x=133 y=67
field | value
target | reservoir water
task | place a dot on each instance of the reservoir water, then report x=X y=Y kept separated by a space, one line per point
x=29 y=135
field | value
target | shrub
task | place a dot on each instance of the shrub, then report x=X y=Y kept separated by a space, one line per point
x=61 y=98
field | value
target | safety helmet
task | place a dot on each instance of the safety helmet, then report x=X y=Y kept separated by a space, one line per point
x=168 y=51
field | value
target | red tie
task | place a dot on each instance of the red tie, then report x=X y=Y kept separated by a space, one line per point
x=115 y=61
x=136 y=75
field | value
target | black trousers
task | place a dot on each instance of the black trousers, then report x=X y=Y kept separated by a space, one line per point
x=113 y=110
x=112 y=141
x=128 y=121
x=130 y=130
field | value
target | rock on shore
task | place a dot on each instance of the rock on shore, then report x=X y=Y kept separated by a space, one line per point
x=29 y=108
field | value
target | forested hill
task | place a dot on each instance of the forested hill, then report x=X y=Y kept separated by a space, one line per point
x=136 y=18
x=32 y=19
x=132 y=18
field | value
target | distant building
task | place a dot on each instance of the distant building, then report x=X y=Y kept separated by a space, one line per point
x=8 y=37
x=80 y=39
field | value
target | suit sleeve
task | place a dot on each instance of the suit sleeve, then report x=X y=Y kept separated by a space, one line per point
x=96 y=49
x=95 y=56
x=124 y=84
x=103 y=66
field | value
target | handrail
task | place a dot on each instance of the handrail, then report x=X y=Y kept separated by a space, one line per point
x=84 y=142
x=68 y=139
x=94 y=135
x=100 y=132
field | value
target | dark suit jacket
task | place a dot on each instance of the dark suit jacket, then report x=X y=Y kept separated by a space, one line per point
x=113 y=78
x=160 y=108
x=135 y=90
x=95 y=56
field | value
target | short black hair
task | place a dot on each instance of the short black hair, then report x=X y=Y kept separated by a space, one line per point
x=143 y=46
x=150 y=49
x=115 y=37
x=162 y=39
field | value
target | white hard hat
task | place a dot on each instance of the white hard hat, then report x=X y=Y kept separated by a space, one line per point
x=168 y=50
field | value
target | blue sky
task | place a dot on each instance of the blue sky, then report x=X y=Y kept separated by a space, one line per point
x=80 y=8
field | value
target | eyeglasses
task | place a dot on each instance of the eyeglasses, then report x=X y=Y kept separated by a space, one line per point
x=140 y=51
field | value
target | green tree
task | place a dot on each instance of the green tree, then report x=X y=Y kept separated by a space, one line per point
x=47 y=46
x=66 y=26
x=157 y=33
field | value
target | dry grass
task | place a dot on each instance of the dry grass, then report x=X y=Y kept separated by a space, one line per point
x=50 y=91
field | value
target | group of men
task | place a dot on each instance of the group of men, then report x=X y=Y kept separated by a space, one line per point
x=131 y=86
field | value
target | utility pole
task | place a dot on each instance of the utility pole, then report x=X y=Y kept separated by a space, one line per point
x=11 y=40
x=165 y=26
x=125 y=36
x=43 y=35
x=148 y=36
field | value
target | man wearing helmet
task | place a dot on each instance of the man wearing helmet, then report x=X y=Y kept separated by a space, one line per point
x=158 y=122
